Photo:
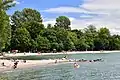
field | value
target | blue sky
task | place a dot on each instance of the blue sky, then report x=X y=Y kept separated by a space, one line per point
x=42 y=5
x=101 y=13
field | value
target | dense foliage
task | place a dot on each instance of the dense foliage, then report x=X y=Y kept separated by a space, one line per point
x=26 y=32
x=5 y=28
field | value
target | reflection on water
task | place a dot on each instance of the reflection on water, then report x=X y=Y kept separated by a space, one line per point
x=107 y=70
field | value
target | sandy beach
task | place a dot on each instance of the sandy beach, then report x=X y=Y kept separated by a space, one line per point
x=28 y=64
x=32 y=63
x=72 y=52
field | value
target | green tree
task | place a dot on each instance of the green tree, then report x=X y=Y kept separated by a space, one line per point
x=42 y=43
x=34 y=28
x=79 y=33
x=26 y=15
x=5 y=28
x=6 y=4
x=49 y=26
x=90 y=34
x=23 y=39
x=30 y=20
x=81 y=45
x=114 y=42
x=63 y=38
x=63 y=22
x=104 y=35
x=50 y=34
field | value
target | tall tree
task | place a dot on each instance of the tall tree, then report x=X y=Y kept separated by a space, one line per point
x=49 y=26
x=34 y=28
x=29 y=19
x=26 y=15
x=114 y=42
x=62 y=37
x=23 y=39
x=63 y=22
x=78 y=32
x=104 y=35
x=90 y=34
x=42 y=43
x=5 y=29
x=6 y=4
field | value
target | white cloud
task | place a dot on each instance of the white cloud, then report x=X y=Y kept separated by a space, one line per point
x=17 y=2
x=86 y=16
x=110 y=18
x=81 y=24
x=66 y=10
x=49 y=21
x=102 y=4
x=111 y=9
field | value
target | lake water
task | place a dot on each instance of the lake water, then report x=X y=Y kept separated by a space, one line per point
x=107 y=70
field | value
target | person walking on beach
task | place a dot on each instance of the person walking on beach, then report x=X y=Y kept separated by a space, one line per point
x=15 y=65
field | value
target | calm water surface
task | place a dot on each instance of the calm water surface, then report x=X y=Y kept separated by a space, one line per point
x=107 y=70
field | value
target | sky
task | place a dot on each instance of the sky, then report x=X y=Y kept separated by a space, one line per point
x=100 y=13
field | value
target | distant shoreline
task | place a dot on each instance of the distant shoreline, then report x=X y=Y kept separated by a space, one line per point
x=72 y=52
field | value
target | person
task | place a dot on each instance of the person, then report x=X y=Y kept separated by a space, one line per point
x=15 y=65
x=3 y=64
x=65 y=57
x=90 y=60
x=24 y=53
x=24 y=61
x=55 y=61
x=76 y=65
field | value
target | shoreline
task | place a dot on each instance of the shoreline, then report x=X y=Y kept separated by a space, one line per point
x=28 y=64
x=33 y=63
x=72 y=52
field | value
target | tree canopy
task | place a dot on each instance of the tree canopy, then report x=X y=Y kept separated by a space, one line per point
x=27 y=33
x=63 y=22
x=5 y=28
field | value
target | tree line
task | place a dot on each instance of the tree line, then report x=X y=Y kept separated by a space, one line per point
x=25 y=31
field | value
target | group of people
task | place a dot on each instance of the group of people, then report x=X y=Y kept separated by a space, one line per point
x=84 y=60
x=15 y=64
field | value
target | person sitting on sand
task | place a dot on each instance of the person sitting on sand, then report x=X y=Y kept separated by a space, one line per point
x=24 y=61
x=3 y=64
x=55 y=61
x=65 y=57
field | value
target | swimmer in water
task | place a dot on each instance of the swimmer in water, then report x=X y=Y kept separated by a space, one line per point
x=76 y=65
